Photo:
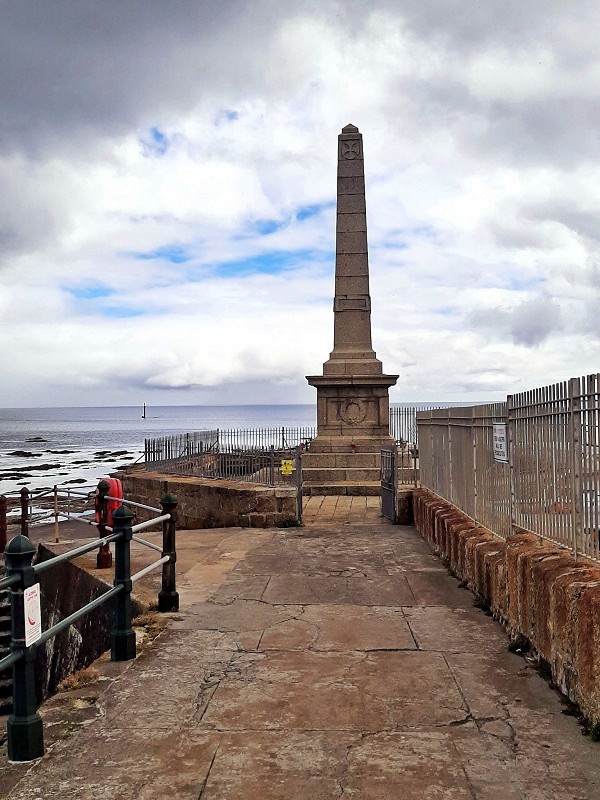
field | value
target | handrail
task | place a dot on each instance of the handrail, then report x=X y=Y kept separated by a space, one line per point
x=149 y=568
x=11 y=659
x=25 y=730
x=142 y=525
x=78 y=551
x=147 y=544
x=131 y=503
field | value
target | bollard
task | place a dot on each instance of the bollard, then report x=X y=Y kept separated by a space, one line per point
x=24 y=511
x=168 y=597
x=123 y=636
x=3 y=522
x=104 y=557
x=24 y=728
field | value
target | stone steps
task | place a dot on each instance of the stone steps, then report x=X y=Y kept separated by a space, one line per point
x=340 y=474
x=342 y=460
x=364 y=489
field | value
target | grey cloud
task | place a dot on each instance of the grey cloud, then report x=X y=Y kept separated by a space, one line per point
x=528 y=324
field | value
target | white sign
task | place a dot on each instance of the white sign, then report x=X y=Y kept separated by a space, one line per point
x=33 y=614
x=500 y=441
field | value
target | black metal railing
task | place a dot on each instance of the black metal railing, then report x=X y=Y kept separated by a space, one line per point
x=24 y=727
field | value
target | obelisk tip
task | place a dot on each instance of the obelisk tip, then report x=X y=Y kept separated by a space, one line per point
x=350 y=129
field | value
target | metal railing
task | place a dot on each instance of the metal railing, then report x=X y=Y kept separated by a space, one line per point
x=548 y=480
x=403 y=423
x=24 y=727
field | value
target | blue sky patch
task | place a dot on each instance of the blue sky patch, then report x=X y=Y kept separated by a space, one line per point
x=173 y=253
x=90 y=292
x=267 y=263
x=226 y=115
x=307 y=212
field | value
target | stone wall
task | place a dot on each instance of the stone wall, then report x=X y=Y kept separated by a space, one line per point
x=537 y=590
x=211 y=503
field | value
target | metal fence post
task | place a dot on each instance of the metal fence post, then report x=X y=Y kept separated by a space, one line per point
x=299 y=483
x=272 y=466
x=123 y=635
x=168 y=597
x=24 y=729
x=24 y=511
x=3 y=523
x=576 y=464
x=510 y=424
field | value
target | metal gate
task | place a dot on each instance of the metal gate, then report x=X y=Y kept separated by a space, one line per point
x=389 y=482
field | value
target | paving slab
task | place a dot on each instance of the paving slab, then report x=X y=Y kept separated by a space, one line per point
x=338 y=660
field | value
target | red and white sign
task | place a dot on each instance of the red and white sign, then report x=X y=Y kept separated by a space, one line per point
x=33 y=614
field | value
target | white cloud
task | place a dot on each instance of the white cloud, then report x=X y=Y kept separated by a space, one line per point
x=481 y=136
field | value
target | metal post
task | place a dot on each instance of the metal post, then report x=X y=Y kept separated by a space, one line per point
x=104 y=559
x=576 y=462
x=55 y=513
x=168 y=597
x=24 y=511
x=3 y=522
x=511 y=424
x=299 y=484
x=123 y=636
x=272 y=466
x=24 y=728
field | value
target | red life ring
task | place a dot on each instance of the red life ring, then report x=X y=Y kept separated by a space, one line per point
x=115 y=490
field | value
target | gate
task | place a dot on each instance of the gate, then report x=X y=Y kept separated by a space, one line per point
x=389 y=482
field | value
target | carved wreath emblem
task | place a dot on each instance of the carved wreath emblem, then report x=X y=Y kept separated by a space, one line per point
x=350 y=150
x=353 y=412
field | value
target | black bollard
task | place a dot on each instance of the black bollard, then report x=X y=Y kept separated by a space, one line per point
x=24 y=729
x=168 y=597
x=123 y=636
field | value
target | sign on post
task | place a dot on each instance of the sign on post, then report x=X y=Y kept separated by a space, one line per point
x=33 y=614
x=287 y=466
x=500 y=440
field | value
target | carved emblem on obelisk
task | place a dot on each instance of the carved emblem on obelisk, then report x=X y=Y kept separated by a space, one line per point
x=349 y=150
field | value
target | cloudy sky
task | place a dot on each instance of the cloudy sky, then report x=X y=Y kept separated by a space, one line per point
x=167 y=195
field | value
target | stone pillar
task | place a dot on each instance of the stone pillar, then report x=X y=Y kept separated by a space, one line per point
x=352 y=392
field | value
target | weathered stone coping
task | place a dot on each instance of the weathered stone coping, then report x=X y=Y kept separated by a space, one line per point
x=536 y=589
x=212 y=503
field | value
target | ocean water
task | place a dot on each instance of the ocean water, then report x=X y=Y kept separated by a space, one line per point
x=99 y=440
x=41 y=447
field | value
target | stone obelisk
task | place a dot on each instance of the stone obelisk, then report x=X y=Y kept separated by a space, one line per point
x=352 y=392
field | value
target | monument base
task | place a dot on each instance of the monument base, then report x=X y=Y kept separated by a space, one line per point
x=353 y=426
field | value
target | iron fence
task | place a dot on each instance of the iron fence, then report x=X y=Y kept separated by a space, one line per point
x=403 y=423
x=256 y=455
x=549 y=481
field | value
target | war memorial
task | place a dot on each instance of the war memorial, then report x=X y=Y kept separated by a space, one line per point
x=349 y=657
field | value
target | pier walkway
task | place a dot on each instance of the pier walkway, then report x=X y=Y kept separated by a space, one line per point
x=337 y=660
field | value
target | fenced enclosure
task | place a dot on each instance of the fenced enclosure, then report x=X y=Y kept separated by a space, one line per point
x=257 y=455
x=549 y=483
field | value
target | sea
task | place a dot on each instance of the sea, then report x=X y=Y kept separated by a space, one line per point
x=70 y=447
x=76 y=447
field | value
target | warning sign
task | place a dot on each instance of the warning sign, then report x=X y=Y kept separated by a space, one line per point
x=500 y=441
x=33 y=614
x=287 y=466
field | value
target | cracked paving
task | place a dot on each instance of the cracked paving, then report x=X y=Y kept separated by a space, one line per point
x=325 y=662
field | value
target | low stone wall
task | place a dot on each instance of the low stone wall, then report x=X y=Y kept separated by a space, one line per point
x=537 y=590
x=212 y=503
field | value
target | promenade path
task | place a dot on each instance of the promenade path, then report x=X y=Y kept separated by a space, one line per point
x=340 y=660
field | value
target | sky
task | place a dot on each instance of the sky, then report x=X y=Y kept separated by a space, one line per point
x=167 y=195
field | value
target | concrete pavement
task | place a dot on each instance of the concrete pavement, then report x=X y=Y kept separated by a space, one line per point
x=337 y=660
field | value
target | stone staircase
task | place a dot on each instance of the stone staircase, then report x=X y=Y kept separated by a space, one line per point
x=341 y=473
